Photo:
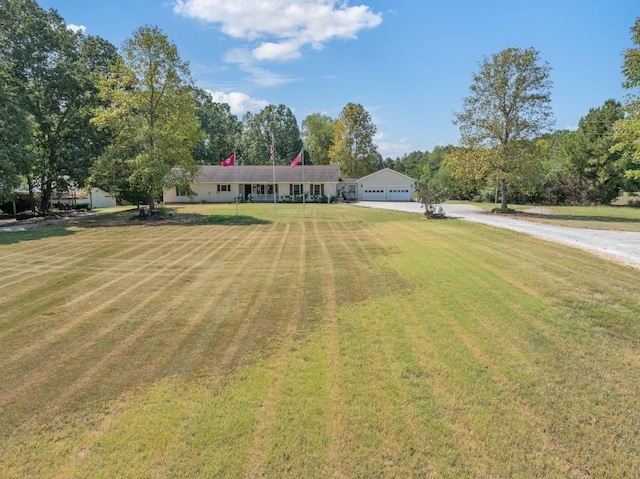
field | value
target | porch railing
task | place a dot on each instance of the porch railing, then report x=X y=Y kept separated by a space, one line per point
x=262 y=198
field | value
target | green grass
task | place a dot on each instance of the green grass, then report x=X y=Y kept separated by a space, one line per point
x=349 y=343
x=616 y=218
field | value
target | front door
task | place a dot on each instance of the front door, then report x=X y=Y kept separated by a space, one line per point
x=247 y=191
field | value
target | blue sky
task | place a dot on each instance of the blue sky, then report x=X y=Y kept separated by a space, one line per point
x=408 y=62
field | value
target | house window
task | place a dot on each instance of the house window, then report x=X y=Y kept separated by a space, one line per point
x=296 y=189
x=179 y=193
x=316 y=190
x=224 y=187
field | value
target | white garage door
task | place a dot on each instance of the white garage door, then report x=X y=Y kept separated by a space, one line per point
x=399 y=193
x=373 y=193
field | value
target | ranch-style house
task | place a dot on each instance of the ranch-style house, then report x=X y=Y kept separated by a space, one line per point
x=223 y=184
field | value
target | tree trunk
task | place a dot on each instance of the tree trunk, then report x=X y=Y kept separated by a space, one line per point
x=150 y=199
x=32 y=197
x=503 y=205
x=46 y=193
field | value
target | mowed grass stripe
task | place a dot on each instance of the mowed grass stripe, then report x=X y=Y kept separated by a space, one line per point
x=18 y=267
x=249 y=302
x=487 y=343
x=366 y=322
x=109 y=335
x=199 y=334
x=150 y=343
x=70 y=313
x=410 y=349
x=616 y=301
x=433 y=443
x=280 y=361
x=241 y=342
x=457 y=344
x=49 y=290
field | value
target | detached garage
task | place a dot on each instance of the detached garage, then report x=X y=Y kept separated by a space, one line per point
x=385 y=185
x=373 y=193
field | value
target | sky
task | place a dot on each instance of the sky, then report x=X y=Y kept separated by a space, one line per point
x=409 y=63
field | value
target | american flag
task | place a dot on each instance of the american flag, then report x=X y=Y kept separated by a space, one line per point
x=272 y=151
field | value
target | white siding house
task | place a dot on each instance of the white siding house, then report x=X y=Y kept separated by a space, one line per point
x=90 y=197
x=222 y=184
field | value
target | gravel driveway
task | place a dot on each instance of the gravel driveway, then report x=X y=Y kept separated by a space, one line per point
x=619 y=245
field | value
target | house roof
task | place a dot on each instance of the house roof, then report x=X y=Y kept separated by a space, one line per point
x=264 y=174
x=387 y=170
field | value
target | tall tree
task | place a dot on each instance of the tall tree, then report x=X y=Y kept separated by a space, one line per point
x=274 y=121
x=152 y=114
x=509 y=103
x=597 y=168
x=221 y=127
x=317 y=134
x=353 y=147
x=51 y=74
x=627 y=130
x=15 y=124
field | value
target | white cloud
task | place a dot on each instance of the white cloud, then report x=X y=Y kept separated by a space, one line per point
x=240 y=103
x=286 y=25
x=389 y=149
x=259 y=76
x=77 y=28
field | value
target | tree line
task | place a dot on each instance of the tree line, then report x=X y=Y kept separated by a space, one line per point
x=508 y=153
x=76 y=110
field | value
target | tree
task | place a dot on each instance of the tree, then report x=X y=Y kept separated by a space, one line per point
x=50 y=73
x=221 y=127
x=509 y=103
x=152 y=114
x=627 y=130
x=274 y=121
x=15 y=123
x=317 y=134
x=353 y=148
x=431 y=194
x=598 y=168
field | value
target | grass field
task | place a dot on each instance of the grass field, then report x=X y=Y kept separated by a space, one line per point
x=350 y=343
x=616 y=218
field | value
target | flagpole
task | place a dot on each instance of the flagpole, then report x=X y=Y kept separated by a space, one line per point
x=235 y=174
x=303 y=202
x=272 y=152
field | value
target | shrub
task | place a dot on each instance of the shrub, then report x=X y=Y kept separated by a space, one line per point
x=431 y=195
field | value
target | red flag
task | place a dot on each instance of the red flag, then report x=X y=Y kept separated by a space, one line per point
x=297 y=160
x=229 y=161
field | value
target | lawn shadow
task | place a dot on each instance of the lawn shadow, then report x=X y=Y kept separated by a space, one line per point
x=234 y=220
x=578 y=218
x=16 y=234
x=68 y=226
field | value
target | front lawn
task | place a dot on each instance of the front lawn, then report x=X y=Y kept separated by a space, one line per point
x=347 y=343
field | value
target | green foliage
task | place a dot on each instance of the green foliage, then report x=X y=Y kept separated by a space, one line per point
x=597 y=168
x=274 y=121
x=431 y=194
x=353 y=148
x=51 y=75
x=151 y=113
x=627 y=130
x=509 y=103
x=318 y=136
x=221 y=127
